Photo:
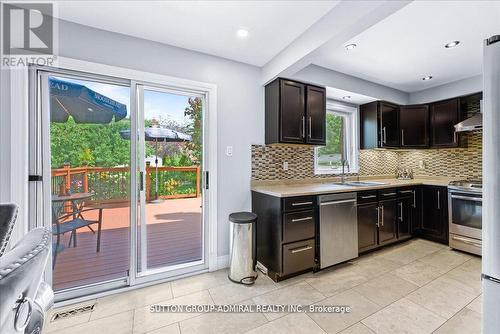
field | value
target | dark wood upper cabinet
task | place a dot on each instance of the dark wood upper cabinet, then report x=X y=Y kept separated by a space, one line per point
x=443 y=117
x=389 y=125
x=316 y=115
x=369 y=127
x=414 y=126
x=379 y=125
x=295 y=113
x=292 y=106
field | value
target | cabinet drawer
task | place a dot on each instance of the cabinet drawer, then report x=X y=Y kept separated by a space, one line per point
x=367 y=196
x=298 y=256
x=298 y=225
x=387 y=193
x=299 y=203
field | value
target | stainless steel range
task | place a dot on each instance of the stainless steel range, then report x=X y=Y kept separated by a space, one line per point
x=465 y=201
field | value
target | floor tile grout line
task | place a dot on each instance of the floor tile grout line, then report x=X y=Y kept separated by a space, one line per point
x=362 y=324
x=456 y=314
x=382 y=308
x=446 y=320
x=324 y=330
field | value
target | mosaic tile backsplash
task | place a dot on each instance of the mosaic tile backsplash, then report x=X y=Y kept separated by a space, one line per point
x=267 y=161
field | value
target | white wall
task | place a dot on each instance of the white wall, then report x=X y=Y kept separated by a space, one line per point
x=240 y=111
x=326 y=77
x=449 y=90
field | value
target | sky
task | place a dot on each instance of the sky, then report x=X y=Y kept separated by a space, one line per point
x=157 y=105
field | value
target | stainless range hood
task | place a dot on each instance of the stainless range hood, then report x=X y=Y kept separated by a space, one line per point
x=474 y=123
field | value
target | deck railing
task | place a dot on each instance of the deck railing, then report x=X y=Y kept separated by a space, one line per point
x=109 y=184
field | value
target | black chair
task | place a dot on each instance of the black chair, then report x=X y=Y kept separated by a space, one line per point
x=70 y=223
x=25 y=298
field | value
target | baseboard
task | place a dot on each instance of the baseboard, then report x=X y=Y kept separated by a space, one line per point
x=222 y=262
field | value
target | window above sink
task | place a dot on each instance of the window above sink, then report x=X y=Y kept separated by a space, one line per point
x=341 y=140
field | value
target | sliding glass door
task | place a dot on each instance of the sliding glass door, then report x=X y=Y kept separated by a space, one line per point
x=124 y=209
x=171 y=225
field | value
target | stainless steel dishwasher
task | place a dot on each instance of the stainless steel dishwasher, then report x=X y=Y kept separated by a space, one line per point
x=338 y=228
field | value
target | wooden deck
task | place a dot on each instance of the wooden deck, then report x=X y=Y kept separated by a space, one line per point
x=174 y=234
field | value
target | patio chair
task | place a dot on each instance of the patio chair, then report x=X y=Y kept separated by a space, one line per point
x=70 y=223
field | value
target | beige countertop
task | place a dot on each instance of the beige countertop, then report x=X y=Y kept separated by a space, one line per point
x=329 y=186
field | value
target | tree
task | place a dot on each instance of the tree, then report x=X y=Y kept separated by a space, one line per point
x=195 y=129
x=91 y=144
x=334 y=135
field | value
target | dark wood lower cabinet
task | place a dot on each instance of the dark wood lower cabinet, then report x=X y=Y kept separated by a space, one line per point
x=387 y=230
x=285 y=233
x=405 y=206
x=367 y=226
x=435 y=214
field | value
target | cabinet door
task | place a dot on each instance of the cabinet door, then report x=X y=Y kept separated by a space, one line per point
x=387 y=230
x=435 y=217
x=404 y=216
x=367 y=226
x=414 y=126
x=368 y=126
x=416 y=211
x=316 y=115
x=292 y=112
x=444 y=115
x=389 y=125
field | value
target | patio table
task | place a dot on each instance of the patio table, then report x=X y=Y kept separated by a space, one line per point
x=76 y=200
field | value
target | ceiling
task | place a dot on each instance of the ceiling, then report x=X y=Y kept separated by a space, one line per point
x=408 y=45
x=348 y=97
x=208 y=27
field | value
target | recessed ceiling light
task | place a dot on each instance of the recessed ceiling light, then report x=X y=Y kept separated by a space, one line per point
x=451 y=44
x=350 y=46
x=242 y=33
x=347 y=97
x=429 y=77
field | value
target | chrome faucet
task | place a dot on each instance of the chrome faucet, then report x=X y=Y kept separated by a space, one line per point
x=343 y=177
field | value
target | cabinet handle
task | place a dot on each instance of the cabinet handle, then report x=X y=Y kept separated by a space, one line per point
x=303 y=126
x=402 y=137
x=439 y=200
x=400 y=211
x=414 y=199
x=378 y=216
x=301 y=219
x=389 y=194
x=301 y=203
x=406 y=191
x=367 y=197
x=467 y=241
x=382 y=216
x=384 y=137
x=300 y=249
x=310 y=127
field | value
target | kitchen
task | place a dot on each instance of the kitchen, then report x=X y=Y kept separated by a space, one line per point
x=403 y=174
x=338 y=158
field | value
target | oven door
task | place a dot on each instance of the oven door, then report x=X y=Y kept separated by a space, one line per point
x=465 y=211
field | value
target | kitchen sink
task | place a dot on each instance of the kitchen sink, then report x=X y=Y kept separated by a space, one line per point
x=363 y=183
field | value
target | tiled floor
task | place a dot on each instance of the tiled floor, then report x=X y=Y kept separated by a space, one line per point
x=415 y=287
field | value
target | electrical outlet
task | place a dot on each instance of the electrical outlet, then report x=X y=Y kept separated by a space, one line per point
x=285 y=165
x=229 y=151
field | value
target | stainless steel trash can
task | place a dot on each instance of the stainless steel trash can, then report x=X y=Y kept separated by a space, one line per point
x=243 y=252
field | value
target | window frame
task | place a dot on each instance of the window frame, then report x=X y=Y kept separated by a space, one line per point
x=351 y=114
